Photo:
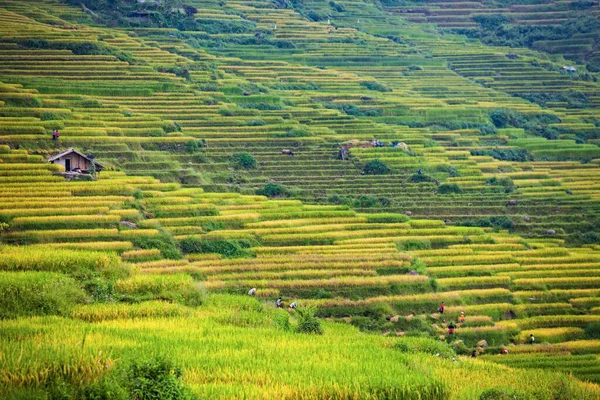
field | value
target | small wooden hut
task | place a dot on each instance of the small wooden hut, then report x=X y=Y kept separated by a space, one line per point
x=76 y=162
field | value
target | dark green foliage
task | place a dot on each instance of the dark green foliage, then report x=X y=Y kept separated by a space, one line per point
x=243 y=160
x=156 y=379
x=256 y=122
x=307 y=321
x=172 y=127
x=78 y=48
x=146 y=379
x=572 y=98
x=362 y=201
x=352 y=109
x=491 y=21
x=227 y=248
x=50 y=116
x=451 y=170
x=273 y=190
x=514 y=154
x=375 y=86
x=337 y=7
x=592 y=331
x=411 y=245
x=448 y=188
x=420 y=178
x=506 y=184
x=534 y=124
x=496 y=222
x=180 y=71
x=295 y=132
x=27 y=101
x=376 y=167
x=164 y=243
x=506 y=117
x=496 y=29
x=487 y=129
x=315 y=16
x=193 y=146
x=214 y=26
x=578 y=238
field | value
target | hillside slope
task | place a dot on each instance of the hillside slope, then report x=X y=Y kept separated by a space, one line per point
x=281 y=81
x=491 y=207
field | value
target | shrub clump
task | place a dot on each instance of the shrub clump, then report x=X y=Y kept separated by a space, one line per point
x=227 y=248
x=307 y=321
x=273 y=190
x=449 y=188
x=375 y=86
x=243 y=160
x=376 y=167
x=151 y=379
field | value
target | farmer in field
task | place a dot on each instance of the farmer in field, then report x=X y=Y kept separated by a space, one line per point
x=252 y=291
x=293 y=305
x=503 y=351
x=462 y=316
x=278 y=302
x=442 y=308
x=54 y=135
x=531 y=339
x=451 y=328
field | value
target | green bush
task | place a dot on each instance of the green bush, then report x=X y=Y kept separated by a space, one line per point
x=520 y=155
x=164 y=243
x=154 y=378
x=419 y=178
x=243 y=160
x=414 y=244
x=295 y=132
x=193 y=146
x=376 y=167
x=506 y=184
x=307 y=321
x=273 y=190
x=448 y=188
x=496 y=222
x=375 y=86
x=227 y=248
x=592 y=331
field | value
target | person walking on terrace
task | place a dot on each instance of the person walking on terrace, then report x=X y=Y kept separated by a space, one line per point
x=442 y=308
x=451 y=328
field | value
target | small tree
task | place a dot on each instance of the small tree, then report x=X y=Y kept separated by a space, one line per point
x=243 y=160
x=376 y=167
x=273 y=190
x=448 y=188
x=307 y=322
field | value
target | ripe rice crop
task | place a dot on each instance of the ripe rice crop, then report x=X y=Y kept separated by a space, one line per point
x=15 y=258
x=62 y=222
x=149 y=309
x=342 y=281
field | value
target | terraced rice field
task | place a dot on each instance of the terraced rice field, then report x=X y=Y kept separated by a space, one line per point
x=173 y=218
x=350 y=265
